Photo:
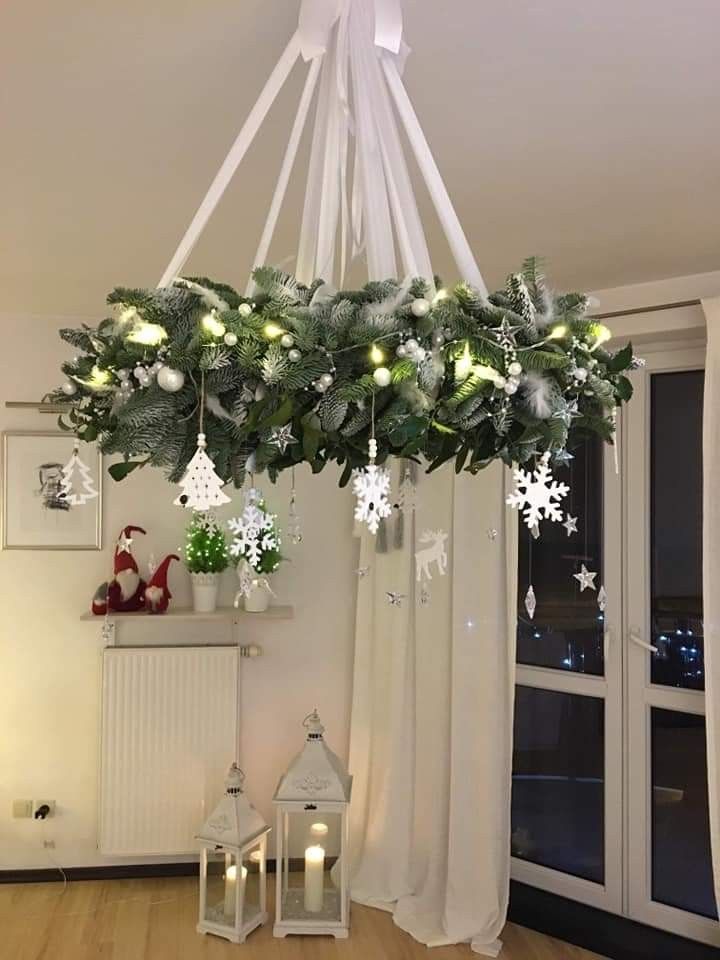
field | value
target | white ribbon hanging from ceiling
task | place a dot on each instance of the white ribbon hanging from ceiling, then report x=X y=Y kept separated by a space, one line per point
x=358 y=198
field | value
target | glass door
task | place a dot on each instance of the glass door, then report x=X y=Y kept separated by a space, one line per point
x=567 y=766
x=669 y=872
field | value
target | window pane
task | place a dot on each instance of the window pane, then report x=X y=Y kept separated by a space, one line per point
x=558 y=807
x=676 y=529
x=681 y=865
x=567 y=630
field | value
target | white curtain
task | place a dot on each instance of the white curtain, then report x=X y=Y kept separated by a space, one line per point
x=431 y=734
x=711 y=571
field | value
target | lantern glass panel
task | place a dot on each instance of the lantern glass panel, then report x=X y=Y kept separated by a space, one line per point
x=312 y=840
x=253 y=879
x=222 y=876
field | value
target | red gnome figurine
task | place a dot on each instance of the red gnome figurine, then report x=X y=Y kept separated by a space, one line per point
x=157 y=595
x=126 y=591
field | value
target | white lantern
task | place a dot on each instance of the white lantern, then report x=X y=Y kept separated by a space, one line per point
x=233 y=865
x=312 y=826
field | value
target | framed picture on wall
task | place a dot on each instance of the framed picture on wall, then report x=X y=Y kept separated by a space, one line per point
x=44 y=508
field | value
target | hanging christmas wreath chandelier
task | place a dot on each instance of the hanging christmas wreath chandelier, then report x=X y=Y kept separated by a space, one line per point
x=295 y=370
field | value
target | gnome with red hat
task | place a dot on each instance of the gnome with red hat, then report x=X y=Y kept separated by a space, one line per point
x=157 y=595
x=126 y=591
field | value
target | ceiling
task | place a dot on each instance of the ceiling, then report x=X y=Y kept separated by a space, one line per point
x=583 y=132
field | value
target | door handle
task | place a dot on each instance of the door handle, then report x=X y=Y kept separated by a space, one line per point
x=636 y=639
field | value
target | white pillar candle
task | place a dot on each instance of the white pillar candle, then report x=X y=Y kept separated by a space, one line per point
x=230 y=883
x=314 y=878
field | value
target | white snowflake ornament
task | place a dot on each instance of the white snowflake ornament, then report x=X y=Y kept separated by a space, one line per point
x=537 y=494
x=371 y=486
x=201 y=486
x=254 y=530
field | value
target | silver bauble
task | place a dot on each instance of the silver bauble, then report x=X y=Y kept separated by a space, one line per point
x=170 y=380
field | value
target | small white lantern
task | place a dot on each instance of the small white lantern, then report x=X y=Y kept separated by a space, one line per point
x=233 y=865
x=312 y=805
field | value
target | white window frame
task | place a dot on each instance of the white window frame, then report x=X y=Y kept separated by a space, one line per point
x=640 y=694
x=607 y=895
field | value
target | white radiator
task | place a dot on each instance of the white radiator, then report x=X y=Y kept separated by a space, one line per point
x=169 y=718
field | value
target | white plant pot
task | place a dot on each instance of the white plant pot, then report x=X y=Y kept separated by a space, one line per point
x=205 y=591
x=258 y=600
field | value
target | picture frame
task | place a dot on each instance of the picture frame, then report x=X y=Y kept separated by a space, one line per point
x=37 y=513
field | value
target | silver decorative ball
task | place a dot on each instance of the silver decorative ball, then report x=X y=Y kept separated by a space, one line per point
x=382 y=377
x=500 y=382
x=170 y=380
x=326 y=380
x=139 y=372
x=230 y=339
x=510 y=387
x=420 y=307
x=515 y=369
x=401 y=351
x=320 y=386
x=294 y=355
x=245 y=310
x=123 y=374
x=69 y=388
x=287 y=340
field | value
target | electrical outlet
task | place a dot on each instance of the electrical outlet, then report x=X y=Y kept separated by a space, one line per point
x=36 y=804
x=22 y=808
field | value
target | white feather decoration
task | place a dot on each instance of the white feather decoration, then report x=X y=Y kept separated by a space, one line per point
x=209 y=297
x=212 y=403
x=538 y=394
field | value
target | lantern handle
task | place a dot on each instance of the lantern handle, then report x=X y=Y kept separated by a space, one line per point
x=313 y=725
x=235 y=780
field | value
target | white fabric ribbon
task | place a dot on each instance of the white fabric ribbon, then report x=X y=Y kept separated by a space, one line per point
x=317 y=18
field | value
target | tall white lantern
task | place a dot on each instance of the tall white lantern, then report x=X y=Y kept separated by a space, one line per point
x=312 y=825
x=233 y=865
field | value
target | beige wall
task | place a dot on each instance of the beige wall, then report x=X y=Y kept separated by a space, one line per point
x=50 y=662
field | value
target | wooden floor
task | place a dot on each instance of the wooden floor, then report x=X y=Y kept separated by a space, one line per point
x=155 y=920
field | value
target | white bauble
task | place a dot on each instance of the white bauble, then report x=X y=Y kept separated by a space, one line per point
x=139 y=372
x=320 y=386
x=230 y=339
x=287 y=340
x=500 y=382
x=419 y=355
x=401 y=351
x=580 y=374
x=123 y=374
x=411 y=346
x=382 y=377
x=294 y=355
x=420 y=307
x=69 y=388
x=245 y=310
x=510 y=387
x=170 y=380
x=326 y=380
x=515 y=369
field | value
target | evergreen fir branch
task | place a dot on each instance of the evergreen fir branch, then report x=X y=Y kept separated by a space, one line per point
x=248 y=355
x=214 y=357
x=403 y=370
x=542 y=359
x=332 y=412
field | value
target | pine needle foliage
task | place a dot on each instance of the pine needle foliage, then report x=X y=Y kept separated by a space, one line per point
x=432 y=409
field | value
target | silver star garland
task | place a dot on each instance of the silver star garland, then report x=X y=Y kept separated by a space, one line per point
x=585 y=578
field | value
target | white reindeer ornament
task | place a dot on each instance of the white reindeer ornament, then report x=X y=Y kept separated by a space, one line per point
x=434 y=553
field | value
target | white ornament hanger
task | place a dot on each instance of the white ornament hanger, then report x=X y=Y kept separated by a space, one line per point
x=356 y=56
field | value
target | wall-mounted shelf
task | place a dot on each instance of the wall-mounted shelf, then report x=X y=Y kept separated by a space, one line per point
x=231 y=614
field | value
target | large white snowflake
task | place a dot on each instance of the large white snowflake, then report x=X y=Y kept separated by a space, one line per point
x=254 y=530
x=537 y=494
x=371 y=486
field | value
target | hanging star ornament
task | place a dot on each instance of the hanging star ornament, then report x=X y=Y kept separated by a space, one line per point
x=530 y=602
x=394 y=599
x=362 y=572
x=537 y=494
x=424 y=595
x=492 y=533
x=585 y=578
x=282 y=437
x=570 y=524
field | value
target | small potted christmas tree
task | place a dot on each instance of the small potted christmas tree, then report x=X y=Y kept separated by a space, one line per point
x=205 y=557
x=256 y=545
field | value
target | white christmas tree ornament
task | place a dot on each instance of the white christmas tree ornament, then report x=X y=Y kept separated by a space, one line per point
x=201 y=486
x=537 y=494
x=78 y=485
